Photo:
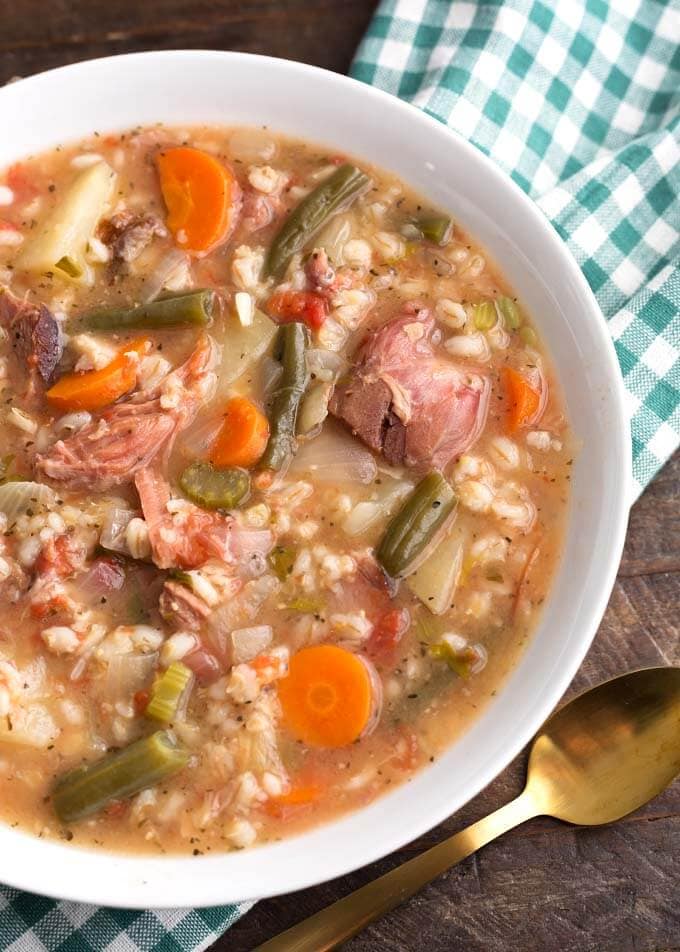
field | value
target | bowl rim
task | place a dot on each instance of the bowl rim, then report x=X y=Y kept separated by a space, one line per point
x=172 y=886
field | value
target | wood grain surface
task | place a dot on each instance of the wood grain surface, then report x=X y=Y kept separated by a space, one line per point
x=546 y=886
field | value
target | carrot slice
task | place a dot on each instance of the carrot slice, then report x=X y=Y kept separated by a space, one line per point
x=201 y=195
x=95 y=389
x=296 y=799
x=243 y=436
x=524 y=400
x=327 y=696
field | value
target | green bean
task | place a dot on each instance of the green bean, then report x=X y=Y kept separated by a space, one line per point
x=331 y=196
x=167 y=693
x=436 y=228
x=213 y=488
x=420 y=519
x=510 y=311
x=484 y=315
x=171 y=310
x=290 y=348
x=146 y=762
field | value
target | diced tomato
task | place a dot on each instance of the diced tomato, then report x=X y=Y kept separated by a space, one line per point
x=19 y=181
x=62 y=556
x=7 y=225
x=306 y=306
x=116 y=808
x=141 y=701
x=54 y=605
x=388 y=632
x=337 y=159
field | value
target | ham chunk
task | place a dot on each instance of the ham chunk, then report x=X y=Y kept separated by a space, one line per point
x=128 y=435
x=34 y=333
x=127 y=234
x=179 y=605
x=259 y=210
x=405 y=402
x=108 y=451
x=181 y=536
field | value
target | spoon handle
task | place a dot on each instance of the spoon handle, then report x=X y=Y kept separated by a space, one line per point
x=344 y=918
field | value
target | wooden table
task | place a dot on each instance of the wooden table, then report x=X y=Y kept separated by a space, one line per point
x=546 y=886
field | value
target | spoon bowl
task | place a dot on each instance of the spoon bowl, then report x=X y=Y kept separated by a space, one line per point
x=610 y=750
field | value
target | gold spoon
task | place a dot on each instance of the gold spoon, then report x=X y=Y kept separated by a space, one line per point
x=603 y=755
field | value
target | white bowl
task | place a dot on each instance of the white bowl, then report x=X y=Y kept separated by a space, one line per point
x=212 y=87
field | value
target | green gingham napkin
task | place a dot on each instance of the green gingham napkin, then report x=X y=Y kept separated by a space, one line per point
x=30 y=923
x=579 y=100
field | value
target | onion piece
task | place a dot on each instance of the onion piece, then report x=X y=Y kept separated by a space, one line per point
x=114 y=524
x=17 y=497
x=335 y=236
x=30 y=727
x=243 y=607
x=72 y=422
x=376 y=697
x=247 y=643
x=197 y=440
x=128 y=673
x=314 y=408
x=252 y=146
x=334 y=457
x=270 y=371
x=325 y=364
x=245 y=543
x=162 y=272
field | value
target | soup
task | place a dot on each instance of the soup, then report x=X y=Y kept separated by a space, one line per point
x=283 y=482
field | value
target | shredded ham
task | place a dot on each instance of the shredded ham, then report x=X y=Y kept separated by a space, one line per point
x=129 y=435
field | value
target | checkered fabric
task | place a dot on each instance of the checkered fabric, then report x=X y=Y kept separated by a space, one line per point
x=30 y=923
x=579 y=101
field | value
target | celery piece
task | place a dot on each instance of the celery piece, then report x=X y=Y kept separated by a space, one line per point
x=528 y=335
x=167 y=692
x=484 y=315
x=510 y=311
x=457 y=662
x=282 y=559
